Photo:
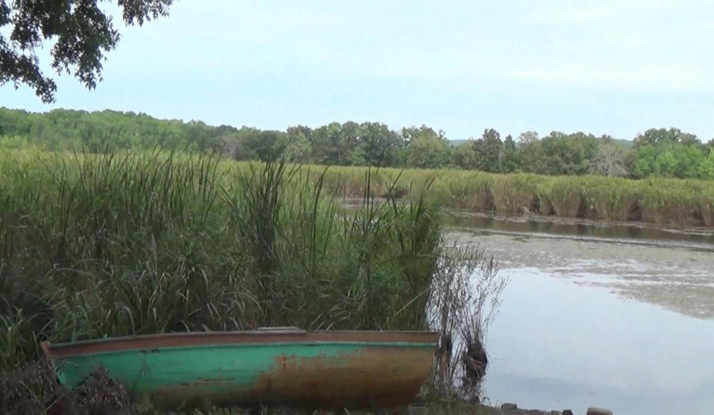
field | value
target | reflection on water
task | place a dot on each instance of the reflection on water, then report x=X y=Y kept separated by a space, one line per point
x=557 y=345
x=592 y=318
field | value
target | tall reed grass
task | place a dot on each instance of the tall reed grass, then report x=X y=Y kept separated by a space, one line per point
x=95 y=246
x=671 y=202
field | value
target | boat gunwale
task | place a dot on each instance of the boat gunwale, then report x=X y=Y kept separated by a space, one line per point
x=254 y=337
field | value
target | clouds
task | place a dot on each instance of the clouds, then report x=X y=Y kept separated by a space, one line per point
x=606 y=66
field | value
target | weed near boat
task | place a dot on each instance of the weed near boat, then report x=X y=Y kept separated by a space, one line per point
x=95 y=246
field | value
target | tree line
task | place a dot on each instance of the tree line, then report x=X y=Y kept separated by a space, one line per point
x=656 y=152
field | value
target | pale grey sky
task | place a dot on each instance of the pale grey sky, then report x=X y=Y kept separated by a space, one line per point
x=607 y=66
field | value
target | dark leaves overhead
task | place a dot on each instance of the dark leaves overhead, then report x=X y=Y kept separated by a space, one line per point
x=81 y=31
x=140 y=11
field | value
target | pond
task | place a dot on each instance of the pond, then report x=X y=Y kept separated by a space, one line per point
x=609 y=316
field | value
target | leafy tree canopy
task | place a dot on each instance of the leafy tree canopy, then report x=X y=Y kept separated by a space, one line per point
x=368 y=143
x=81 y=32
x=487 y=151
x=662 y=136
x=509 y=156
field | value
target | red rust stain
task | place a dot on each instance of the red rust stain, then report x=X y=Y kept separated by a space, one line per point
x=383 y=376
x=374 y=376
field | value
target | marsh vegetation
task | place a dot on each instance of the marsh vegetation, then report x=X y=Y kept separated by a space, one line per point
x=118 y=244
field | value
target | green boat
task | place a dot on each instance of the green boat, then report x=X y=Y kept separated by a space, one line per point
x=319 y=369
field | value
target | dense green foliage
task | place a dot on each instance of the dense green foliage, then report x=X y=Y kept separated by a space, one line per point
x=99 y=131
x=672 y=153
x=122 y=243
x=80 y=31
x=656 y=153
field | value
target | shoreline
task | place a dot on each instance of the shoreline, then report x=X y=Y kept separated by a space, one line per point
x=596 y=223
x=352 y=202
x=670 y=203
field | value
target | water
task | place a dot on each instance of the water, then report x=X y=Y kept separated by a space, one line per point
x=600 y=318
x=579 y=228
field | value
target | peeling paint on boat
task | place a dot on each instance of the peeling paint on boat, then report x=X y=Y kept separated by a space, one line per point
x=319 y=369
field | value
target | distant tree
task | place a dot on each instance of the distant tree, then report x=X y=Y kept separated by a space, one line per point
x=557 y=153
x=328 y=144
x=565 y=154
x=201 y=136
x=426 y=148
x=688 y=158
x=676 y=155
x=80 y=31
x=706 y=168
x=378 y=145
x=463 y=156
x=665 y=165
x=610 y=160
x=350 y=140
x=337 y=144
x=528 y=137
x=669 y=153
x=643 y=164
x=662 y=136
x=487 y=151
x=530 y=152
x=300 y=147
x=509 y=156
x=255 y=144
x=229 y=144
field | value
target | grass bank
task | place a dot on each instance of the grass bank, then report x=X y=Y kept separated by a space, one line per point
x=95 y=246
x=671 y=202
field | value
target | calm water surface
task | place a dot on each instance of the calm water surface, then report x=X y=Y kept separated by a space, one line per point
x=600 y=317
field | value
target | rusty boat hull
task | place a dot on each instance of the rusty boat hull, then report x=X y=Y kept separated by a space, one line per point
x=310 y=369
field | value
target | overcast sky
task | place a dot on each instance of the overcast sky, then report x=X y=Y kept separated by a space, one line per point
x=607 y=66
